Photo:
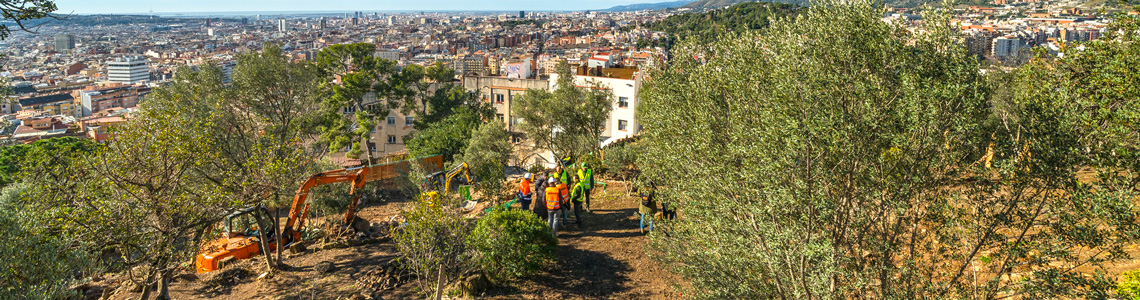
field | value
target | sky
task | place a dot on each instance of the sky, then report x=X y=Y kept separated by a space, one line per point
x=183 y=6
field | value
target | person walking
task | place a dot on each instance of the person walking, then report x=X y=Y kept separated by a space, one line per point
x=525 y=192
x=586 y=178
x=577 y=197
x=647 y=210
x=553 y=205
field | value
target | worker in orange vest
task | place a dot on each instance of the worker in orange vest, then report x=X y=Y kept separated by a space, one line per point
x=564 y=196
x=525 y=192
x=553 y=204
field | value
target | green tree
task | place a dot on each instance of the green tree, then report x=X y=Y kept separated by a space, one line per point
x=40 y=264
x=568 y=120
x=366 y=88
x=488 y=152
x=814 y=165
x=432 y=244
x=448 y=137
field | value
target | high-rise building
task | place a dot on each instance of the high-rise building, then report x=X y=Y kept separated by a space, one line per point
x=391 y=20
x=128 y=70
x=522 y=14
x=281 y=26
x=1006 y=46
x=209 y=22
x=244 y=21
x=324 y=23
x=64 y=42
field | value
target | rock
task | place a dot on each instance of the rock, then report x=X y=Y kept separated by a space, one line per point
x=297 y=248
x=263 y=276
x=323 y=267
x=473 y=285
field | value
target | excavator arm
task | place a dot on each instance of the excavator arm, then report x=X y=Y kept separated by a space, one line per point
x=359 y=177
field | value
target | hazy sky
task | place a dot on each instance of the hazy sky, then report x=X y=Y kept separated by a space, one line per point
x=142 y=6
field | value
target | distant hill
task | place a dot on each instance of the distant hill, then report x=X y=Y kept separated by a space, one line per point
x=722 y=3
x=650 y=6
x=706 y=27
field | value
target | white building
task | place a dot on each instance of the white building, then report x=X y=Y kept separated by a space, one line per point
x=128 y=70
x=1006 y=46
x=622 y=122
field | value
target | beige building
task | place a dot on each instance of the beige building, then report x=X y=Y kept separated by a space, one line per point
x=502 y=93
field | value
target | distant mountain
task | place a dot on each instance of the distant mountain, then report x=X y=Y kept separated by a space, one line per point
x=650 y=6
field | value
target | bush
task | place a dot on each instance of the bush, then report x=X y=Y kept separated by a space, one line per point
x=621 y=159
x=432 y=239
x=509 y=244
x=1128 y=286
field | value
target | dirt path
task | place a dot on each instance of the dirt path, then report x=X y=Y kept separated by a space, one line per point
x=605 y=259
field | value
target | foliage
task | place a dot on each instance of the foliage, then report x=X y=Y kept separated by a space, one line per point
x=1128 y=287
x=21 y=12
x=510 y=244
x=432 y=243
x=621 y=159
x=38 y=264
x=706 y=27
x=12 y=157
x=448 y=137
x=567 y=120
x=488 y=152
x=350 y=116
x=881 y=138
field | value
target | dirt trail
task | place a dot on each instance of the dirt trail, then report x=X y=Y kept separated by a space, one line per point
x=605 y=259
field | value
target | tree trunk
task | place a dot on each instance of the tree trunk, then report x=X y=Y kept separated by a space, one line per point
x=146 y=287
x=264 y=244
x=439 y=282
x=163 y=285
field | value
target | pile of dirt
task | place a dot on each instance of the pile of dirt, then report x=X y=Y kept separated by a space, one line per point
x=228 y=277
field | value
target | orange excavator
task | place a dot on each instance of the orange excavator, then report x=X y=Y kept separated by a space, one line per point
x=239 y=246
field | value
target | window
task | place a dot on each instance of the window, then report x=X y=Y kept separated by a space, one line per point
x=372 y=146
x=623 y=102
x=408 y=121
x=500 y=117
x=498 y=98
x=391 y=120
x=391 y=139
x=349 y=110
x=622 y=124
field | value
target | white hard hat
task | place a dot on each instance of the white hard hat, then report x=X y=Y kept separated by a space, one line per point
x=552 y=180
x=527 y=175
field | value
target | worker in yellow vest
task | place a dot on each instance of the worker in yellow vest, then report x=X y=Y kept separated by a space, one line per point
x=553 y=204
x=586 y=178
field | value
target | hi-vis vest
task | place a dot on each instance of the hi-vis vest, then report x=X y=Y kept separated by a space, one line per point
x=524 y=187
x=553 y=201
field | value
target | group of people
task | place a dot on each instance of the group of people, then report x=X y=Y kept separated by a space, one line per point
x=553 y=197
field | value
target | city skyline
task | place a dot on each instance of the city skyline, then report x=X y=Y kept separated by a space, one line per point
x=254 y=6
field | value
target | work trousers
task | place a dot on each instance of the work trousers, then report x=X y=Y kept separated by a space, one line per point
x=552 y=218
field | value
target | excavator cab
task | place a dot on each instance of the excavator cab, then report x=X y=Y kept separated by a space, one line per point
x=440 y=183
x=242 y=238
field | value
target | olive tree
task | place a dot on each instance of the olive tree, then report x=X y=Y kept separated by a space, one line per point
x=835 y=155
x=569 y=120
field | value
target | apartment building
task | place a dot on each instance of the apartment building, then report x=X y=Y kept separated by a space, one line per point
x=54 y=104
x=128 y=70
x=93 y=99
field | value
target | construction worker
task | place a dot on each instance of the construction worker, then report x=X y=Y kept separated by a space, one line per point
x=525 y=192
x=586 y=178
x=540 y=196
x=648 y=207
x=564 y=195
x=577 y=197
x=553 y=204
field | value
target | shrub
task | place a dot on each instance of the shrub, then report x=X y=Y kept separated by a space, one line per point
x=509 y=244
x=1128 y=286
x=432 y=239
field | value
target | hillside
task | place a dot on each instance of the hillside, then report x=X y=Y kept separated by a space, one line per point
x=707 y=26
x=650 y=6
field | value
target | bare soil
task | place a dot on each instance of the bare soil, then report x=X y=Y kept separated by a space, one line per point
x=603 y=259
